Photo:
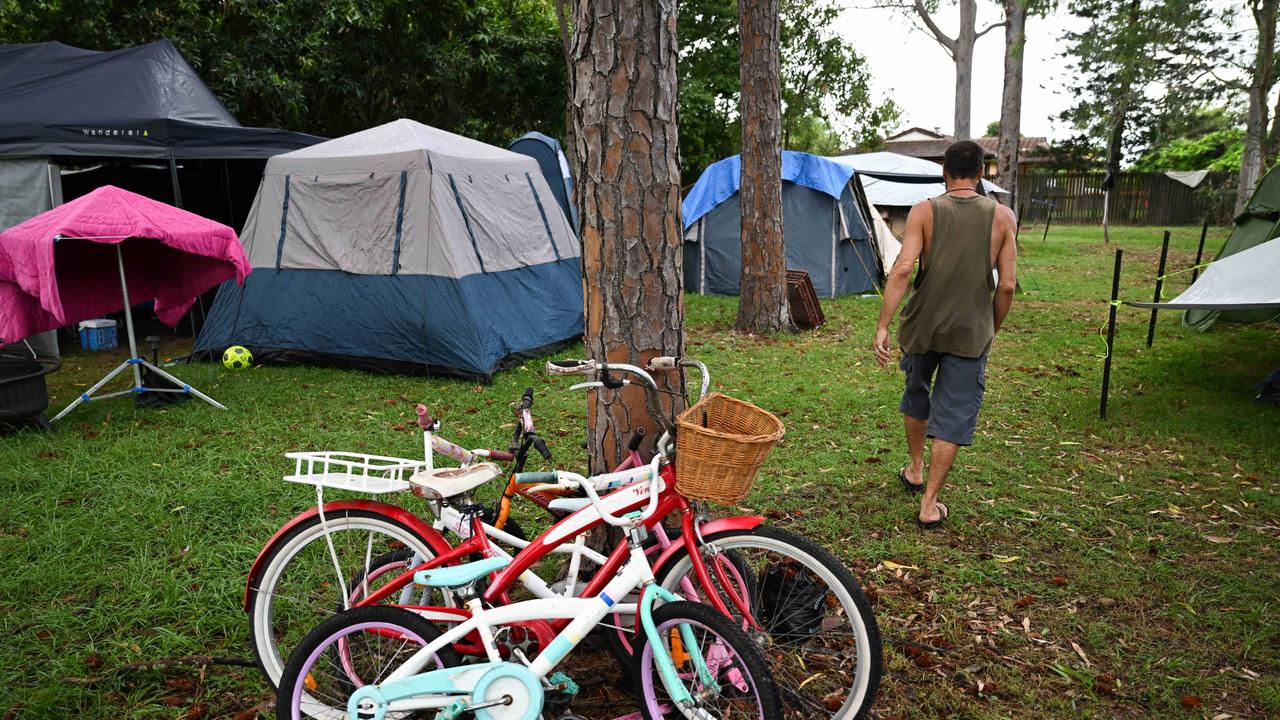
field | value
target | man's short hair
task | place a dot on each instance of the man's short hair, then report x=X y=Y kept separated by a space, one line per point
x=963 y=160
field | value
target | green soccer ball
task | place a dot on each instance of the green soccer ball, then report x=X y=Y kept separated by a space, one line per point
x=237 y=357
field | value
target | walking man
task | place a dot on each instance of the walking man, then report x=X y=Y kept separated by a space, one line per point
x=950 y=320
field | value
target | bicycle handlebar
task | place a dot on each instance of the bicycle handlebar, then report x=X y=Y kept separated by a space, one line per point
x=637 y=437
x=563 y=479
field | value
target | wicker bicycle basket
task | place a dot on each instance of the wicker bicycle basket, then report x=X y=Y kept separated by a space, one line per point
x=721 y=444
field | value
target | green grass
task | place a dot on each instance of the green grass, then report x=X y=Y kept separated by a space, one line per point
x=125 y=537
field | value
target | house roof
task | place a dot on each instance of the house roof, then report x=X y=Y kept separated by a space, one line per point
x=916 y=130
x=935 y=149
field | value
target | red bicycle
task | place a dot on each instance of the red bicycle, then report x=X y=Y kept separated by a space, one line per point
x=798 y=602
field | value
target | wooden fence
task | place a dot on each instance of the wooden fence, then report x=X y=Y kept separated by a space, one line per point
x=1138 y=199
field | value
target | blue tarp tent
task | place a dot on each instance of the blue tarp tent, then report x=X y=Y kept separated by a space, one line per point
x=555 y=168
x=826 y=221
x=405 y=248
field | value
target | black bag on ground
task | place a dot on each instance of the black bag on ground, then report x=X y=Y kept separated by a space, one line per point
x=791 y=605
x=1269 y=389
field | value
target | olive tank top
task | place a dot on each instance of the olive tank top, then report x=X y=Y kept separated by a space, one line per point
x=950 y=308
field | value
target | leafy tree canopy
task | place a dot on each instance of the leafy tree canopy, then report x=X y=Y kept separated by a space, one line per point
x=1211 y=139
x=823 y=76
x=1142 y=65
x=489 y=69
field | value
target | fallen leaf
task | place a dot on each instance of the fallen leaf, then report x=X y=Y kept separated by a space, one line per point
x=834 y=700
x=897 y=566
x=1007 y=558
x=1191 y=702
x=1218 y=540
x=1024 y=601
x=1058 y=580
x=1075 y=646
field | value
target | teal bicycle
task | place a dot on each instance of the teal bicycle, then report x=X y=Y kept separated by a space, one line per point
x=377 y=662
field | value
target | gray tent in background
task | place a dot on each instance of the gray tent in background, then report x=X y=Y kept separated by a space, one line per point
x=555 y=168
x=404 y=248
x=827 y=228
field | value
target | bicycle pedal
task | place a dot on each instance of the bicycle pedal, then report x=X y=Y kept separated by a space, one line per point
x=453 y=711
x=562 y=683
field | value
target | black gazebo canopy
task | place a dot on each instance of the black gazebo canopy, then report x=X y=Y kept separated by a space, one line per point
x=140 y=102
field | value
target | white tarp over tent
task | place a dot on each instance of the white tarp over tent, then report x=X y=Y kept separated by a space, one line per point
x=1247 y=280
x=888 y=243
x=888 y=191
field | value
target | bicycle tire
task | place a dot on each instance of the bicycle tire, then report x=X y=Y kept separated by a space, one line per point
x=316 y=685
x=619 y=632
x=741 y=670
x=860 y=693
x=268 y=630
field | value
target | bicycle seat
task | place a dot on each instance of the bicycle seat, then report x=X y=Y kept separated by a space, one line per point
x=444 y=483
x=569 y=505
x=457 y=576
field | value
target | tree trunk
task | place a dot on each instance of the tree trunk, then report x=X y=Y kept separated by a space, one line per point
x=1273 y=138
x=1009 y=145
x=1114 y=146
x=624 y=122
x=1256 y=139
x=965 y=40
x=566 y=47
x=762 y=292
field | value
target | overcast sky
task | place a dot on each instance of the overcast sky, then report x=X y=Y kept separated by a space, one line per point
x=910 y=67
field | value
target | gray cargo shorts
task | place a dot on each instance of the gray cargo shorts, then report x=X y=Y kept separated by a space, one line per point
x=949 y=401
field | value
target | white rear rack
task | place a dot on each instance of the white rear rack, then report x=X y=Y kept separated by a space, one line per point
x=358 y=472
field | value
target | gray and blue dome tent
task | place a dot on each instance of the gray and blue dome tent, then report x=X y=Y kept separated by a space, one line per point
x=826 y=221
x=403 y=248
x=555 y=168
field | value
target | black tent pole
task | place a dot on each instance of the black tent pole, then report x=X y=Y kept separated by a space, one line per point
x=1047 y=221
x=1195 y=269
x=173 y=179
x=1111 y=336
x=1164 y=255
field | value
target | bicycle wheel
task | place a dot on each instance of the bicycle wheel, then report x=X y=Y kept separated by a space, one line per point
x=811 y=619
x=618 y=629
x=302 y=582
x=740 y=685
x=349 y=650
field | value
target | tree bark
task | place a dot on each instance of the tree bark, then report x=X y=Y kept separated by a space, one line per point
x=960 y=48
x=624 y=121
x=965 y=40
x=1256 y=138
x=762 y=291
x=1009 y=145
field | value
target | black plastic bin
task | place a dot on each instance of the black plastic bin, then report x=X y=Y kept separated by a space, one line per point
x=23 y=394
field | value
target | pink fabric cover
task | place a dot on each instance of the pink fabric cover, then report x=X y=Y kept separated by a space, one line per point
x=170 y=256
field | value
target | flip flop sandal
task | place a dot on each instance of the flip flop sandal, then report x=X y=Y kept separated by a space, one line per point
x=942 y=517
x=907 y=484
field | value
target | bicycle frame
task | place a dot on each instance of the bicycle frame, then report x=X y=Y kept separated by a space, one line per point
x=408 y=688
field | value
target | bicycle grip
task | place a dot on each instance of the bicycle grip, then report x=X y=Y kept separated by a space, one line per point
x=537 y=477
x=501 y=456
x=425 y=421
x=637 y=437
x=663 y=362
x=526 y=401
x=541 y=446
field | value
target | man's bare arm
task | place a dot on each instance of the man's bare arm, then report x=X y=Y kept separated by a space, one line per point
x=1006 y=265
x=899 y=275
